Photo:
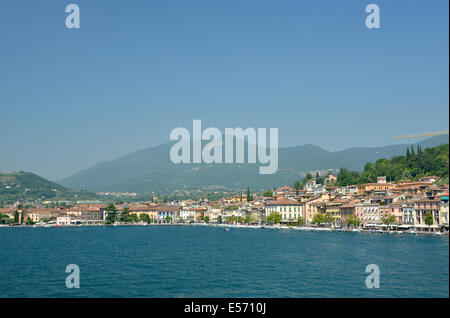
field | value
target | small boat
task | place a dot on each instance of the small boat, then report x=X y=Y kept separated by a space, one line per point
x=412 y=232
x=438 y=233
x=356 y=230
x=380 y=231
x=226 y=228
x=340 y=230
x=400 y=232
x=372 y=231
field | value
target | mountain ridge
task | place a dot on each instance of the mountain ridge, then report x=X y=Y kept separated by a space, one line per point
x=150 y=169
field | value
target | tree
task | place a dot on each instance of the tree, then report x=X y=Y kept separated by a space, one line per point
x=353 y=220
x=16 y=216
x=206 y=219
x=297 y=186
x=268 y=193
x=132 y=218
x=230 y=219
x=274 y=218
x=300 y=221
x=144 y=218
x=168 y=219
x=318 y=219
x=388 y=219
x=329 y=218
x=29 y=221
x=429 y=220
x=124 y=215
x=5 y=219
x=111 y=213
x=249 y=196
x=219 y=219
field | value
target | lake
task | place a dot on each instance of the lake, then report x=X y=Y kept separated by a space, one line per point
x=204 y=261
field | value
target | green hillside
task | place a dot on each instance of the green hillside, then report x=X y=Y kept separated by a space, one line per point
x=25 y=186
x=415 y=164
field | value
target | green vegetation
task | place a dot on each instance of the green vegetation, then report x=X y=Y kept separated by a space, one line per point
x=319 y=218
x=249 y=195
x=144 y=218
x=127 y=217
x=388 y=219
x=274 y=218
x=353 y=220
x=320 y=179
x=268 y=193
x=24 y=186
x=29 y=221
x=429 y=220
x=4 y=219
x=111 y=213
x=414 y=165
x=300 y=221
x=297 y=186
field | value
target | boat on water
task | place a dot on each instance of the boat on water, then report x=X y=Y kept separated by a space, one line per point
x=399 y=232
x=226 y=228
x=356 y=230
x=412 y=232
x=372 y=231
x=340 y=230
x=438 y=233
x=380 y=231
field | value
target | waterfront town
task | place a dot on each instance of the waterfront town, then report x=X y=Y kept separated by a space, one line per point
x=420 y=205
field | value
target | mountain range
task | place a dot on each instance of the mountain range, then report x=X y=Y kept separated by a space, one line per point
x=151 y=170
x=24 y=186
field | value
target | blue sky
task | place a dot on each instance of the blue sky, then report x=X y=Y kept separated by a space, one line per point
x=137 y=69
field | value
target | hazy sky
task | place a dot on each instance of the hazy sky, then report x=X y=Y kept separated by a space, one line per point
x=137 y=69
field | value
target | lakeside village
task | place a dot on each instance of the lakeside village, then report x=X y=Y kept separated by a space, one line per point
x=405 y=206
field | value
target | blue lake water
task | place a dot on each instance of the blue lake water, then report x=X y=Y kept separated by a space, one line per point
x=201 y=261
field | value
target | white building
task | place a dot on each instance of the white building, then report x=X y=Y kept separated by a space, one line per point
x=63 y=220
x=289 y=210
